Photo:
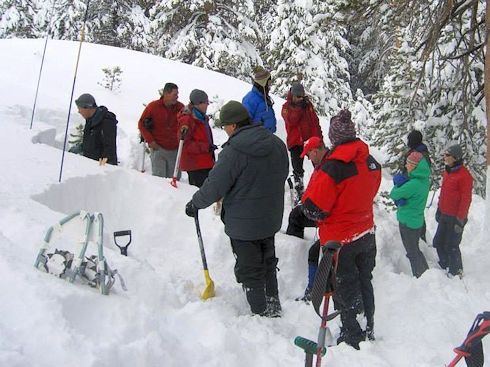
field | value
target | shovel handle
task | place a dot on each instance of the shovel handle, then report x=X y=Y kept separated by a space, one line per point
x=124 y=249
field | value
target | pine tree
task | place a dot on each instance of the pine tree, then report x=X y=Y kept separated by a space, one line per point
x=217 y=35
x=307 y=45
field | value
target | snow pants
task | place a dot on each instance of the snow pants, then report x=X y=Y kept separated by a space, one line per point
x=197 y=177
x=355 y=264
x=255 y=268
x=163 y=162
x=446 y=241
x=298 y=222
x=410 y=239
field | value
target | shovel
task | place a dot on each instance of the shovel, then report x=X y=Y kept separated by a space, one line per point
x=209 y=290
x=124 y=249
x=179 y=154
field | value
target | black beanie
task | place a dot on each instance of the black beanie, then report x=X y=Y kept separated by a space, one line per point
x=414 y=139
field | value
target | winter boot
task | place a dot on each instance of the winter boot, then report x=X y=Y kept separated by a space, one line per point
x=273 y=308
x=256 y=300
x=299 y=187
x=370 y=328
x=306 y=297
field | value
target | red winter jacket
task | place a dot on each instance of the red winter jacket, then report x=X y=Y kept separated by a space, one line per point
x=301 y=122
x=164 y=131
x=199 y=137
x=341 y=192
x=455 y=197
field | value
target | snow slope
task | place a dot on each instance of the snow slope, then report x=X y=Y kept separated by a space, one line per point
x=160 y=320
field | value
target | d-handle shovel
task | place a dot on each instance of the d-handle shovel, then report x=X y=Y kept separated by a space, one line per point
x=179 y=154
x=124 y=249
x=209 y=290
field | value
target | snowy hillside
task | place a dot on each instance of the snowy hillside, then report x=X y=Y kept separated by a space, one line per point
x=160 y=320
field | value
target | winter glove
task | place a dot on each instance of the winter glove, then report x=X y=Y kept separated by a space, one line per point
x=212 y=148
x=148 y=123
x=191 y=209
x=400 y=202
x=459 y=225
x=399 y=179
x=102 y=161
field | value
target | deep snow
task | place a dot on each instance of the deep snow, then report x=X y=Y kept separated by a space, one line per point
x=160 y=320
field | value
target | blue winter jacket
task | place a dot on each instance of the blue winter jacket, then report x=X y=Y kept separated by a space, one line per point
x=260 y=111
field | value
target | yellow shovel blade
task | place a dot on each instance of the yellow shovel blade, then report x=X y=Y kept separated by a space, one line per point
x=209 y=290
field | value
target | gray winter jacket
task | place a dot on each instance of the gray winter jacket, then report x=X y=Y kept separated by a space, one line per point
x=250 y=174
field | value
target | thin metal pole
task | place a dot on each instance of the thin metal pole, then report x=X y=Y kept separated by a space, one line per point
x=82 y=36
x=42 y=63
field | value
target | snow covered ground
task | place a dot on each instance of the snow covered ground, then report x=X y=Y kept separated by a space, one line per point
x=160 y=320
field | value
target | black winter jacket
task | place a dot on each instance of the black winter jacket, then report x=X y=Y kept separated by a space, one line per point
x=250 y=174
x=99 y=136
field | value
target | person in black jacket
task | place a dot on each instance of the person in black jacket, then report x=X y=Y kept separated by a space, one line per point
x=249 y=175
x=99 y=134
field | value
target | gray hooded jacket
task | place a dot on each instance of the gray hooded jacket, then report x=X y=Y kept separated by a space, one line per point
x=250 y=174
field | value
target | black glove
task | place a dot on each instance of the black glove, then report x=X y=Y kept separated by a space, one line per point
x=191 y=209
x=459 y=225
x=212 y=148
x=148 y=123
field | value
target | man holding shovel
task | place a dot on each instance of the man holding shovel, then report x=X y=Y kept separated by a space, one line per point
x=249 y=175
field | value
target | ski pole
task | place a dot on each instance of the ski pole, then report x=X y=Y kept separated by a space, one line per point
x=82 y=37
x=179 y=154
x=42 y=63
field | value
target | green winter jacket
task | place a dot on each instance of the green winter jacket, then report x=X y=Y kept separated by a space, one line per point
x=415 y=192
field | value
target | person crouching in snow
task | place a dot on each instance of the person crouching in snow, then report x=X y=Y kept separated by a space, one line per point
x=410 y=194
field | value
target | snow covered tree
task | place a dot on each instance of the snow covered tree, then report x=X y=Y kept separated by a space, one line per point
x=217 y=35
x=18 y=19
x=308 y=45
x=434 y=83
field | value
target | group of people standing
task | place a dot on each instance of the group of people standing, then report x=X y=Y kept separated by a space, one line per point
x=249 y=176
x=410 y=192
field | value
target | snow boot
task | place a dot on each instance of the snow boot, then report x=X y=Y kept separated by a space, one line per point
x=273 y=308
x=306 y=297
x=256 y=300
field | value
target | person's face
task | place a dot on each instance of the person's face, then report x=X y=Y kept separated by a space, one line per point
x=203 y=106
x=86 y=112
x=171 y=98
x=298 y=99
x=410 y=166
x=449 y=159
x=315 y=156
x=229 y=129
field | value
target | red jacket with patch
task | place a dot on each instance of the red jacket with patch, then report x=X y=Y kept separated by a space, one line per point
x=341 y=191
x=456 y=189
x=195 y=152
x=301 y=122
x=164 y=131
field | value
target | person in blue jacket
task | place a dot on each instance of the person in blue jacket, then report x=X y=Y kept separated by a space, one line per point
x=258 y=102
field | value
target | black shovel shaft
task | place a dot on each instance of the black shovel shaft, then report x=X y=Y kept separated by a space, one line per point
x=201 y=245
x=124 y=249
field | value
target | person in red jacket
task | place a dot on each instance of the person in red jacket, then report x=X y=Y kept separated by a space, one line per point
x=198 y=150
x=339 y=197
x=452 y=210
x=158 y=127
x=301 y=123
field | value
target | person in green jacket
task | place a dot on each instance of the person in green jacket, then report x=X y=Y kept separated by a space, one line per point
x=410 y=194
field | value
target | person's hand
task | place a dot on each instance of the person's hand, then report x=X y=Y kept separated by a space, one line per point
x=400 y=202
x=459 y=225
x=191 y=209
x=102 y=161
x=154 y=145
x=212 y=148
x=399 y=179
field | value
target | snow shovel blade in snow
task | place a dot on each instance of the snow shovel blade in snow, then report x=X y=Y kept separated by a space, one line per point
x=124 y=249
x=209 y=290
